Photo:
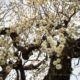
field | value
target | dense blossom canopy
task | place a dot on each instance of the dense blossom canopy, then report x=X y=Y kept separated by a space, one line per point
x=42 y=26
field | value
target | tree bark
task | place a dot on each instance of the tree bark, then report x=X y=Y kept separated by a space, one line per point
x=63 y=74
x=22 y=71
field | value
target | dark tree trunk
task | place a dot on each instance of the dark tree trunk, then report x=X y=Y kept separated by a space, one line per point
x=63 y=74
x=71 y=50
x=19 y=67
x=17 y=74
x=22 y=71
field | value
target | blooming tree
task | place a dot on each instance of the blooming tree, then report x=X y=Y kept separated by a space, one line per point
x=29 y=27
